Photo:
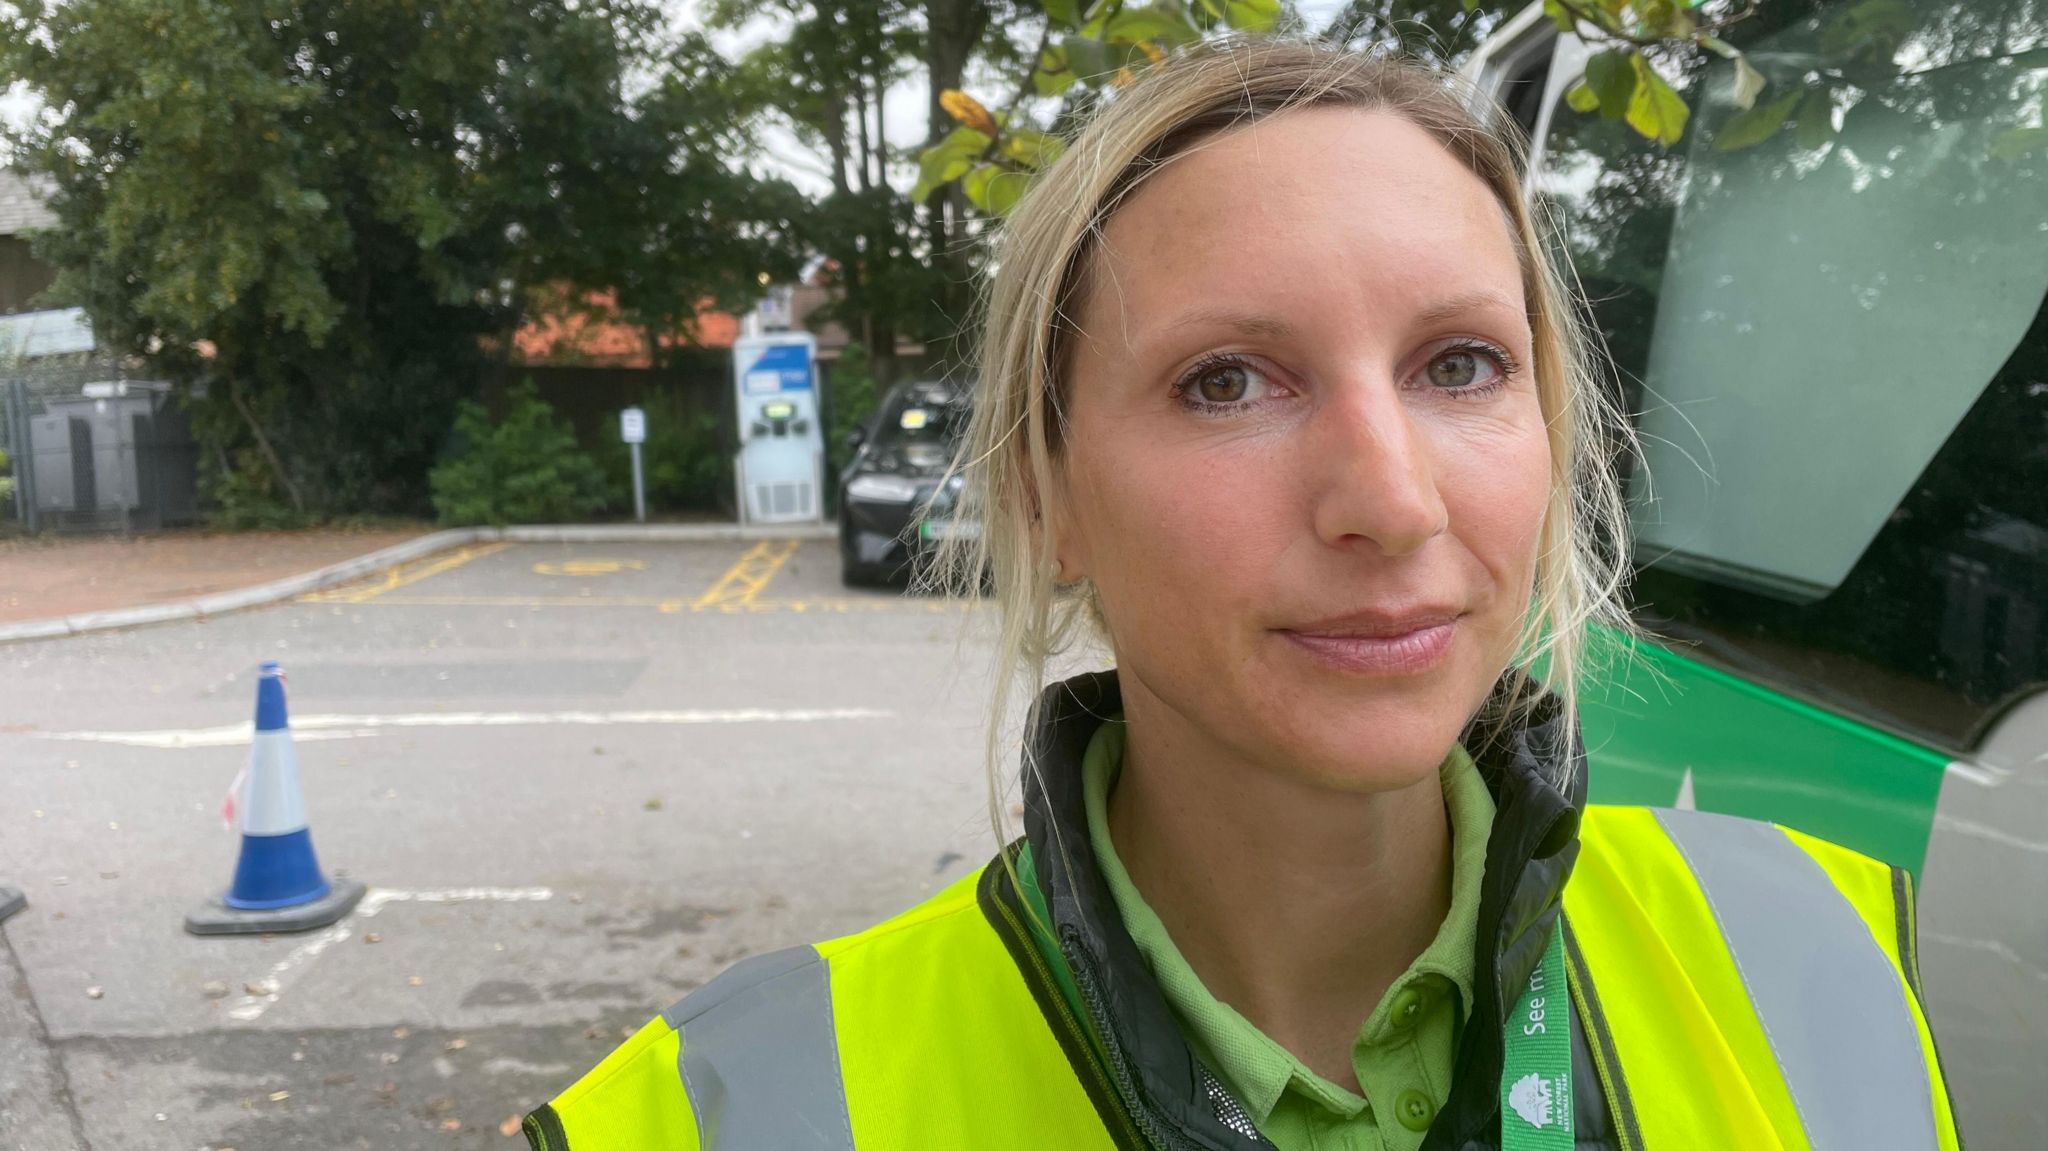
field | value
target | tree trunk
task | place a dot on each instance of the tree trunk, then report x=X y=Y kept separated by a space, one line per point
x=955 y=27
x=277 y=468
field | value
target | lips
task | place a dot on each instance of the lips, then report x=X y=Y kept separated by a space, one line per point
x=1407 y=643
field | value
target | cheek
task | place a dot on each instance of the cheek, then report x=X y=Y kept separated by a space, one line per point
x=1497 y=489
x=1160 y=526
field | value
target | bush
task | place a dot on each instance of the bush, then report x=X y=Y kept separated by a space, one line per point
x=685 y=461
x=524 y=470
x=245 y=495
x=851 y=401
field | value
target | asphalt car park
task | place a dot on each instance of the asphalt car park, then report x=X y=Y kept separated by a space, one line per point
x=578 y=779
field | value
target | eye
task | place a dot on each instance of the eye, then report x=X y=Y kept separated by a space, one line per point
x=1224 y=383
x=1468 y=368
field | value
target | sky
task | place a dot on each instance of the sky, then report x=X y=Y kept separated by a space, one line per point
x=903 y=106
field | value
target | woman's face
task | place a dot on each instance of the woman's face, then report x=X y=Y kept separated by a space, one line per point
x=1305 y=465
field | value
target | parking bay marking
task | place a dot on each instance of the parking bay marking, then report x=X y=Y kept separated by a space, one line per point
x=357 y=726
x=402 y=574
x=252 y=1007
x=745 y=579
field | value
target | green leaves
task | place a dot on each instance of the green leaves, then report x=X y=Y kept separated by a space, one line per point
x=1622 y=85
x=993 y=189
x=948 y=160
x=1252 y=15
x=1168 y=23
x=1611 y=76
x=1032 y=149
x=1053 y=74
x=1654 y=109
x=1748 y=129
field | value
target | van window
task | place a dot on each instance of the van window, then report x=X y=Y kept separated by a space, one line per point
x=1828 y=317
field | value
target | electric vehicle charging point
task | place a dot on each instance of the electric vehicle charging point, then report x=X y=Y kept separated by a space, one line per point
x=780 y=467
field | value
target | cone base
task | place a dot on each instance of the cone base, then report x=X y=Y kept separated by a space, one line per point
x=217 y=918
x=11 y=901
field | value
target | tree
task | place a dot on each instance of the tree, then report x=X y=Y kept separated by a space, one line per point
x=1105 y=44
x=322 y=209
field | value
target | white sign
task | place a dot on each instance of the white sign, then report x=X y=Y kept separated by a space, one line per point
x=633 y=426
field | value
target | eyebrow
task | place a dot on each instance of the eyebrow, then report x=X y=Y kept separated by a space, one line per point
x=1246 y=323
x=1465 y=304
x=1274 y=327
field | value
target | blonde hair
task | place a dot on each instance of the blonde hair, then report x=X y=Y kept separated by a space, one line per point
x=1043 y=254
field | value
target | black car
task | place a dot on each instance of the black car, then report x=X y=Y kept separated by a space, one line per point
x=885 y=525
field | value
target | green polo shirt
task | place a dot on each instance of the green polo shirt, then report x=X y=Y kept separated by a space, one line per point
x=1404 y=1050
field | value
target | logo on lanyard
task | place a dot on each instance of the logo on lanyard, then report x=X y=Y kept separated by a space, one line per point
x=1536 y=1087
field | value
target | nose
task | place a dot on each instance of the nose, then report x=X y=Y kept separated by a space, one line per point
x=1374 y=478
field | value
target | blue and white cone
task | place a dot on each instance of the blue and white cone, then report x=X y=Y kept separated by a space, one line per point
x=278 y=885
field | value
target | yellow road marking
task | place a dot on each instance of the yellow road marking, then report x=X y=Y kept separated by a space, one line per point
x=744 y=580
x=403 y=574
x=588 y=567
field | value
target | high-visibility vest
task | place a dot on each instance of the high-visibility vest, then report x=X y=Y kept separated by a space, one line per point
x=1739 y=985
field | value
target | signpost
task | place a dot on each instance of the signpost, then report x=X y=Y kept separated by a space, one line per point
x=633 y=430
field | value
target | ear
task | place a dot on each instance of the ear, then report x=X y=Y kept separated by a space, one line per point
x=1061 y=553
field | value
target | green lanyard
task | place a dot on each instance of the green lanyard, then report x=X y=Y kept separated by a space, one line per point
x=1536 y=1081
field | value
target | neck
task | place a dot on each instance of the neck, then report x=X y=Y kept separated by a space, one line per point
x=1297 y=905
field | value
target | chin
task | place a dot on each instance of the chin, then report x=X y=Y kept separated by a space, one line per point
x=1371 y=734
x=1370 y=749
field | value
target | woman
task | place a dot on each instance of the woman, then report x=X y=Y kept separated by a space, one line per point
x=1281 y=395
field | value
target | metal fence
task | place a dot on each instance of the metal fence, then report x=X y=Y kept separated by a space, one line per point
x=93 y=444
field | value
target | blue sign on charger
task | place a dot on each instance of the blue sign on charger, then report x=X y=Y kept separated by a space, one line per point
x=782 y=368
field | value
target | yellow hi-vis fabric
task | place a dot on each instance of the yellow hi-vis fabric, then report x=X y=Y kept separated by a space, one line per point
x=939 y=1044
x=1685 y=1056
x=923 y=1032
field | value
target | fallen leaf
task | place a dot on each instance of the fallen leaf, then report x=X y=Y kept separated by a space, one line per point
x=651 y=805
x=95 y=992
x=509 y=1127
x=451 y=1124
x=400 y=1032
x=455 y=1044
x=341 y=1079
x=214 y=989
x=373 y=937
x=412 y=981
x=280 y=1096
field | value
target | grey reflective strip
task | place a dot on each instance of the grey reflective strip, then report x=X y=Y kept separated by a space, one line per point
x=1830 y=1003
x=760 y=1060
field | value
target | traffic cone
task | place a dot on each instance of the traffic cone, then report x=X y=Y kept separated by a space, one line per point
x=278 y=885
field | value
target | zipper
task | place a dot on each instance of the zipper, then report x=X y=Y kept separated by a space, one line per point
x=1073 y=1026
x=1156 y=1132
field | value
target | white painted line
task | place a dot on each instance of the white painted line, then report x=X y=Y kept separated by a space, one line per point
x=1981 y=774
x=1989 y=834
x=252 y=1007
x=1996 y=947
x=356 y=726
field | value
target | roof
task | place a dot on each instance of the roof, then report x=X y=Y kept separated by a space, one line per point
x=22 y=204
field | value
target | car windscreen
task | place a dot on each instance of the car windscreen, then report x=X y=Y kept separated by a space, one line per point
x=914 y=420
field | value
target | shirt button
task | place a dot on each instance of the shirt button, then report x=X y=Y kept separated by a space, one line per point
x=1407 y=1008
x=1414 y=1110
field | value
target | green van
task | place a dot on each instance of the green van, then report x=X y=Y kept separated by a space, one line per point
x=1826 y=319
